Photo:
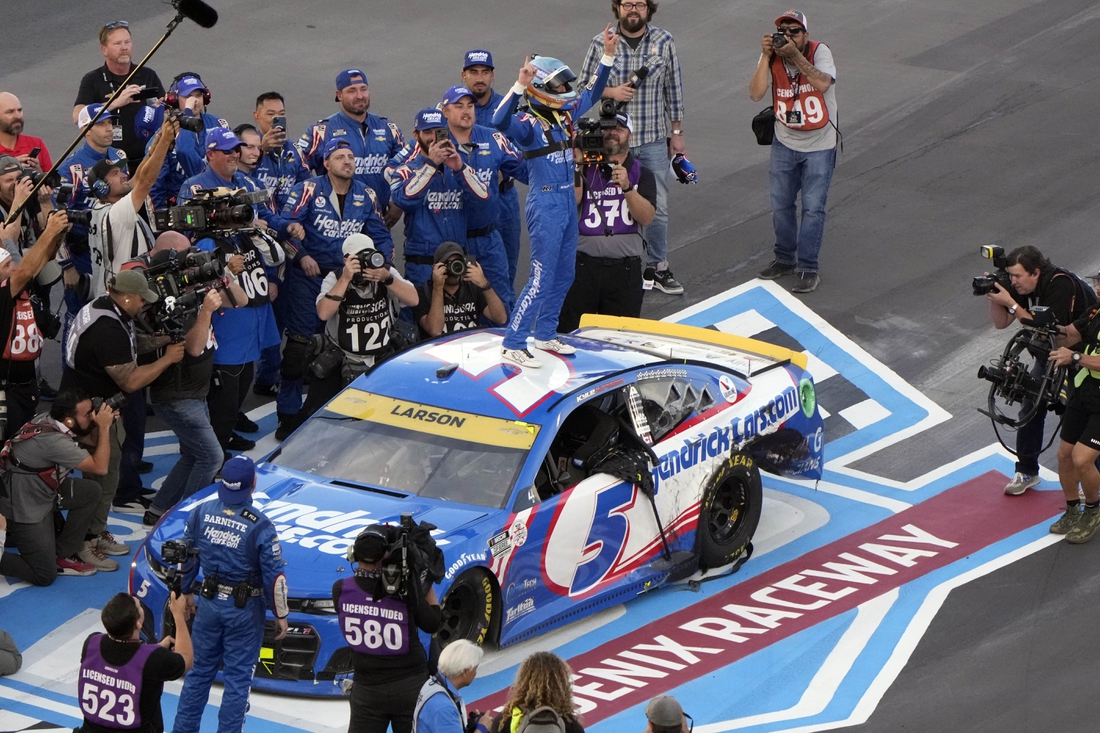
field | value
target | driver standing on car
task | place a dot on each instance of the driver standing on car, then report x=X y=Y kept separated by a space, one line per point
x=380 y=625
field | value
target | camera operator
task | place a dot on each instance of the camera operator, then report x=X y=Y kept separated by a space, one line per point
x=97 y=86
x=439 y=709
x=102 y=359
x=436 y=188
x=242 y=567
x=320 y=214
x=387 y=680
x=36 y=463
x=359 y=309
x=1034 y=282
x=457 y=296
x=118 y=666
x=117 y=232
x=30 y=151
x=610 y=247
x=543 y=134
x=16 y=183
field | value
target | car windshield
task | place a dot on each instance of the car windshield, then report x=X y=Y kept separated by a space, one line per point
x=410 y=447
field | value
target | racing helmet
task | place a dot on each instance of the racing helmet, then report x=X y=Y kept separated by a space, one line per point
x=683 y=169
x=552 y=72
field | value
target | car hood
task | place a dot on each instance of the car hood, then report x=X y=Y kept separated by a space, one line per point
x=318 y=521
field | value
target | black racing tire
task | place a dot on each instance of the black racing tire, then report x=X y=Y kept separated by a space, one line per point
x=468 y=609
x=730 y=511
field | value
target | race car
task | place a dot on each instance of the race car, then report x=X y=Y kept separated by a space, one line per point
x=555 y=492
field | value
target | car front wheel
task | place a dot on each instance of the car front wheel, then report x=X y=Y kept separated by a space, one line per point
x=468 y=609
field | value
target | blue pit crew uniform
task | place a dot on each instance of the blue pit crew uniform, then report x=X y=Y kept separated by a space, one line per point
x=374 y=141
x=551 y=209
x=508 y=222
x=236 y=544
x=311 y=204
x=185 y=160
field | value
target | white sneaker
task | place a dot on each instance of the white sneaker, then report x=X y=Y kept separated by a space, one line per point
x=92 y=556
x=556 y=345
x=521 y=357
x=1020 y=483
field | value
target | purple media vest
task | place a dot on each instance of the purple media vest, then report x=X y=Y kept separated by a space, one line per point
x=111 y=696
x=378 y=628
x=604 y=203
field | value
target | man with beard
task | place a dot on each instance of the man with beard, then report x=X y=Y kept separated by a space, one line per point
x=373 y=139
x=97 y=86
x=12 y=140
x=655 y=102
x=457 y=297
x=478 y=77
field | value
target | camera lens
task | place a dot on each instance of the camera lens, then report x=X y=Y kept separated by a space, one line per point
x=456 y=267
x=376 y=260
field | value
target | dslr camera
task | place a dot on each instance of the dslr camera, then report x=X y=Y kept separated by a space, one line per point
x=64 y=198
x=985 y=284
x=114 y=402
x=369 y=259
x=779 y=40
x=211 y=210
x=187 y=120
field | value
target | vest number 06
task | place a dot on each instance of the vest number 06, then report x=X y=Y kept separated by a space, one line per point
x=100 y=703
x=813 y=110
x=372 y=634
x=254 y=283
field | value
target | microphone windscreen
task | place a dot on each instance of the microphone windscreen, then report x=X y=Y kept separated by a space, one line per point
x=198 y=11
x=642 y=73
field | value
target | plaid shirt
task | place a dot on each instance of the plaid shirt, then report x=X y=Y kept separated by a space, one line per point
x=660 y=98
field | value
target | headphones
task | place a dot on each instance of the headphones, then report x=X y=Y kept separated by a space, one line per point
x=99 y=187
x=375 y=530
x=172 y=98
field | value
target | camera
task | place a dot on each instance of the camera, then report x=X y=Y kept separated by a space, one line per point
x=457 y=267
x=211 y=210
x=176 y=554
x=53 y=180
x=114 y=402
x=410 y=554
x=589 y=140
x=779 y=40
x=64 y=198
x=181 y=280
x=188 y=121
x=984 y=284
x=369 y=259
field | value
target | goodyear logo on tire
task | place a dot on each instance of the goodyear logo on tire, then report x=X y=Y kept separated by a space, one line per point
x=808 y=395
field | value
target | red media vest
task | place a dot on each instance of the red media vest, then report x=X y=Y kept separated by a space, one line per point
x=797 y=94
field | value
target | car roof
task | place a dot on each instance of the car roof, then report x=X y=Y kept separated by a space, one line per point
x=465 y=371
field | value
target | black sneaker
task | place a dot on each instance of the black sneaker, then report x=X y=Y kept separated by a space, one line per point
x=245 y=425
x=236 y=442
x=775 y=270
x=149 y=520
x=140 y=505
x=144 y=467
x=807 y=282
x=266 y=390
x=45 y=391
x=664 y=281
x=287 y=425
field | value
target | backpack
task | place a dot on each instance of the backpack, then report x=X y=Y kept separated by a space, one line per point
x=1084 y=296
x=541 y=720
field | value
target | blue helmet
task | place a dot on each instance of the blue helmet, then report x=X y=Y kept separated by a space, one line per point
x=549 y=72
x=683 y=169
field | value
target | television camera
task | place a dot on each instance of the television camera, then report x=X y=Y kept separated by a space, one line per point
x=181 y=280
x=211 y=210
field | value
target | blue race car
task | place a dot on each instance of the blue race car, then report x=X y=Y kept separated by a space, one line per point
x=556 y=492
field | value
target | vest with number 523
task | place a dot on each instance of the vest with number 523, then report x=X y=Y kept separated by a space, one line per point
x=798 y=94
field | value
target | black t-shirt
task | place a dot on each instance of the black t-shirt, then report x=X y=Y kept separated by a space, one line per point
x=370 y=670
x=1088 y=325
x=162 y=666
x=11 y=370
x=461 y=311
x=188 y=379
x=99 y=84
x=105 y=343
x=1057 y=291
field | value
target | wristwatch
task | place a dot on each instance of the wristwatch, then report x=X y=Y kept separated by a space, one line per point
x=628 y=190
x=1012 y=310
x=1076 y=357
x=388 y=280
x=677 y=132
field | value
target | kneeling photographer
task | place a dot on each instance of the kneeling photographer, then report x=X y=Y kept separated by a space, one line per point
x=381 y=607
x=458 y=295
x=359 y=309
x=1025 y=279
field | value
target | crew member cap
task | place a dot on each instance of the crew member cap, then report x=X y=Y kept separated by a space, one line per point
x=8 y=164
x=223 y=139
x=91 y=111
x=447 y=250
x=478 y=57
x=429 y=119
x=356 y=243
x=132 y=282
x=188 y=85
x=347 y=77
x=796 y=15
x=664 y=711
x=454 y=94
x=333 y=145
x=624 y=119
x=238 y=475
x=100 y=170
x=148 y=120
x=370 y=546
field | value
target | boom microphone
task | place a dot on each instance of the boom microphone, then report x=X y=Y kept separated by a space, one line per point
x=198 y=11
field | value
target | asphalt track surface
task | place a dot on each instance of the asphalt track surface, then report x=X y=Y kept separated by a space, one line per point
x=964 y=124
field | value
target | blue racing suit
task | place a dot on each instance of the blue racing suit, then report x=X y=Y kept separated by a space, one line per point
x=436 y=201
x=490 y=153
x=551 y=210
x=373 y=141
x=508 y=222
x=312 y=204
x=74 y=171
x=236 y=544
x=186 y=159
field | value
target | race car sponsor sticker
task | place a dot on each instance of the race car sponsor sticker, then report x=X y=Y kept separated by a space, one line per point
x=521 y=610
x=499 y=544
x=808 y=395
x=519 y=533
x=728 y=388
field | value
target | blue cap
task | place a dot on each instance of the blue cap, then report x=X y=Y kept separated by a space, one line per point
x=335 y=144
x=478 y=57
x=429 y=119
x=187 y=85
x=91 y=111
x=345 y=78
x=147 y=121
x=454 y=94
x=223 y=139
x=238 y=475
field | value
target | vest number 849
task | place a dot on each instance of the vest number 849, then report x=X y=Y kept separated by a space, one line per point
x=372 y=634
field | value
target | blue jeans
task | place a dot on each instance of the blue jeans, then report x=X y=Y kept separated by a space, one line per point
x=655 y=157
x=791 y=172
x=200 y=452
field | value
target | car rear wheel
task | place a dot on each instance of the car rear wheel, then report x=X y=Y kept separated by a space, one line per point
x=730 y=512
x=468 y=609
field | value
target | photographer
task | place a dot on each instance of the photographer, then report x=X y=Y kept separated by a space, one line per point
x=387 y=680
x=102 y=354
x=359 y=309
x=439 y=709
x=457 y=296
x=242 y=567
x=16 y=183
x=118 y=666
x=610 y=247
x=36 y=463
x=1034 y=281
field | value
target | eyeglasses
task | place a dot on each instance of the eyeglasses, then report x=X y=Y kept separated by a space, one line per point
x=116 y=24
x=691 y=722
x=634 y=6
x=790 y=30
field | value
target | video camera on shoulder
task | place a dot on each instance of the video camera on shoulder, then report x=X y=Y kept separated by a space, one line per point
x=182 y=280
x=211 y=210
x=985 y=284
x=409 y=553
